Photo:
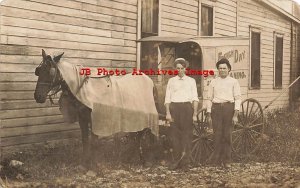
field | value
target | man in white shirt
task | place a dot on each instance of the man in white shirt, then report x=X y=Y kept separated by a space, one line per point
x=224 y=100
x=181 y=103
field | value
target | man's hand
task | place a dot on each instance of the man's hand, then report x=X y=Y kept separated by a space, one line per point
x=195 y=118
x=169 y=117
x=209 y=121
x=235 y=117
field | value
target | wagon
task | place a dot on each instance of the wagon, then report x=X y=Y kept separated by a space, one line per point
x=203 y=53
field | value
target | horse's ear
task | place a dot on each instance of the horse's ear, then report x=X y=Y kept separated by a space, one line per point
x=57 y=58
x=44 y=54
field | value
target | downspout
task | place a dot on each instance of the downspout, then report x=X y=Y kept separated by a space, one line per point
x=291 y=65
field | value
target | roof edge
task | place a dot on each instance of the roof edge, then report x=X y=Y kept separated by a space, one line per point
x=278 y=9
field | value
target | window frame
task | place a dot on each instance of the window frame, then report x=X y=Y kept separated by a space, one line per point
x=140 y=34
x=277 y=36
x=200 y=18
x=157 y=19
x=257 y=31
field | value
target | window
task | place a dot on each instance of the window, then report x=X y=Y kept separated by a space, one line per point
x=255 y=60
x=149 y=18
x=206 y=20
x=149 y=27
x=278 y=61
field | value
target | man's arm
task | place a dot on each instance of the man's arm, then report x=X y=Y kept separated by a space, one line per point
x=168 y=101
x=237 y=100
x=195 y=105
x=195 y=100
x=210 y=95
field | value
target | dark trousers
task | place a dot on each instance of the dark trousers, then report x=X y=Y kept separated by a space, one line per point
x=182 y=129
x=221 y=115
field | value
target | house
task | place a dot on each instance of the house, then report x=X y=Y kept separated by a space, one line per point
x=104 y=33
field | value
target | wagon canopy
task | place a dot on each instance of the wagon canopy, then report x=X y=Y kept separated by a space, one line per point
x=203 y=53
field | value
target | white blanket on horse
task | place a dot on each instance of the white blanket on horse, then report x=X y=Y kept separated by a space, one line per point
x=118 y=103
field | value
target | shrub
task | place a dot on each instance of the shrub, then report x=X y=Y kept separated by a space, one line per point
x=282 y=130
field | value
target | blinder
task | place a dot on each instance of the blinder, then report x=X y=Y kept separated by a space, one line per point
x=37 y=71
x=52 y=71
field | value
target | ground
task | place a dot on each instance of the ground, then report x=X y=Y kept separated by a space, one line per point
x=117 y=163
x=239 y=175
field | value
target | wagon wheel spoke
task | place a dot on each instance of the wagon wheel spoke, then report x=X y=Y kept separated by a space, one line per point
x=251 y=121
x=201 y=144
x=239 y=125
x=237 y=142
x=256 y=110
x=197 y=130
x=252 y=138
x=247 y=109
x=236 y=138
x=195 y=151
x=255 y=125
x=255 y=132
x=251 y=110
x=256 y=119
x=195 y=146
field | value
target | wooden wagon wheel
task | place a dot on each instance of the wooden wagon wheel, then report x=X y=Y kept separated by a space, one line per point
x=202 y=144
x=247 y=133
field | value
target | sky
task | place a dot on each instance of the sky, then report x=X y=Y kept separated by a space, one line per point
x=298 y=1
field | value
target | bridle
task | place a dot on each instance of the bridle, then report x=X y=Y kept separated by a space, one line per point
x=54 y=85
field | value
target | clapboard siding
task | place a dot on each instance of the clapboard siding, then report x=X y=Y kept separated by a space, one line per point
x=225 y=18
x=88 y=11
x=93 y=34
x=30 y=121
x=10 y=105
x=255 y=15
x=174 y=16
x=37 y=138
x=29 y=112
x=103 y=33
x=36 y=129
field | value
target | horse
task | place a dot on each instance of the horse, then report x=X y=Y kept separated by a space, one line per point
x=50 y=81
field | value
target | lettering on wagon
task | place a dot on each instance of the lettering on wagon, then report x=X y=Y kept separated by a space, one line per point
x=235 y=54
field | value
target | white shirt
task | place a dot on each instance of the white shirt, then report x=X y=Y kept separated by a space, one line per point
x=222 y=90
x=181 y=90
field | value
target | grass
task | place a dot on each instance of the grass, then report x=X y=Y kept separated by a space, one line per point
x=282 y=128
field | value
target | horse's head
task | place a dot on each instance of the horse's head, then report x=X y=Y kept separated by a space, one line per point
x=48 y=76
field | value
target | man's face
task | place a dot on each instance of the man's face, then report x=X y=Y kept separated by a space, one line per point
x=180 y=69
x=223 y=70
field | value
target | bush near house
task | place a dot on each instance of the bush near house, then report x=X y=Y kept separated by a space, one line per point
x=282 y=130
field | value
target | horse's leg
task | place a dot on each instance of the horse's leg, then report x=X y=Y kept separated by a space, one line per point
x=84 y=120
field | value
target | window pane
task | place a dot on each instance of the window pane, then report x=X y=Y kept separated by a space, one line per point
x=206 y=21
x=278 y=61
x=149 y=18
x=255 y=60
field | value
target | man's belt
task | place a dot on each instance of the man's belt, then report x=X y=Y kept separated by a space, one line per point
x=181 y=102
x=223 y=103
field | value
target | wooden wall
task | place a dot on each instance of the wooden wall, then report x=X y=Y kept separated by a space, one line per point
x=181 y=18
x=102 y=33
x=267 y=21
x=295 y=66
x=99 y=33
x=225 y=18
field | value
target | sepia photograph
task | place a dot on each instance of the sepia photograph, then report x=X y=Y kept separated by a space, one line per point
x=149 y=93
